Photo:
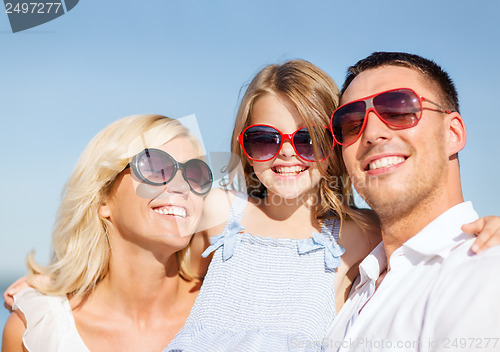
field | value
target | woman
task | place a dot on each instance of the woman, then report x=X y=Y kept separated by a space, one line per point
x=119 y=279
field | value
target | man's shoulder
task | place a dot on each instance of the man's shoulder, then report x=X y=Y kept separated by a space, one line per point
x=464 y=270
x=462 y=256
x=464 y=302
x=477 y=266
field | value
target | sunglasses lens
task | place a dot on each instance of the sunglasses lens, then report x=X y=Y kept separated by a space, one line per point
x=155 y=166
x=198 y=176
x=347 y=122
x=399 y=108
x=304 y=145
x=261 y=142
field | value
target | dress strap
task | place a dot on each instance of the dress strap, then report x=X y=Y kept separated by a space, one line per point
x=237 y=209
x=233 y=226
x=331 y=229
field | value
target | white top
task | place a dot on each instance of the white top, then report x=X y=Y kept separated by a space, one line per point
x=50 y=323
x=438 y=295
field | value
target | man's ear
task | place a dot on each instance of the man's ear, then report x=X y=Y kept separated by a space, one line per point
x=457 y=135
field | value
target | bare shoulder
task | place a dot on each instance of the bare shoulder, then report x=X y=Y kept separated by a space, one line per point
x=357 y=240
x=219 y=196
x=12 y=340
x=215 y=210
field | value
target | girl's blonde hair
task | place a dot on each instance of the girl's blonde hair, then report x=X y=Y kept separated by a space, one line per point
x=315 y=96
x=81 y=249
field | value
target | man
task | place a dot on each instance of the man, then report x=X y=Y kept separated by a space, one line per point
x=401 y=131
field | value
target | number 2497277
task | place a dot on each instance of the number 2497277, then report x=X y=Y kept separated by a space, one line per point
x=33 y=7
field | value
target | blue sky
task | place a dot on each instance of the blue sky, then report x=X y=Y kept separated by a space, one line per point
x=64 y=81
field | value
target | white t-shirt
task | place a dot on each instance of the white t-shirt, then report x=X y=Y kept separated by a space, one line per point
x=50 y=323
x=438 y=295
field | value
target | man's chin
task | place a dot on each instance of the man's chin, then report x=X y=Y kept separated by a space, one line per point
x=386 y=203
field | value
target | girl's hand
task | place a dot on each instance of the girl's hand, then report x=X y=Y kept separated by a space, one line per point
x=14 y=288
x=487 y=230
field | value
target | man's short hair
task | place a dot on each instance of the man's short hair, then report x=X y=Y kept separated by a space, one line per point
x=448 y=93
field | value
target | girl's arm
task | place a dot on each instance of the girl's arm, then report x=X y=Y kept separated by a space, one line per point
x=358 y=242
x=215 y=213
x=487 y=230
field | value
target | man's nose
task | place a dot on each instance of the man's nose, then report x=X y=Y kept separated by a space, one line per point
x=375 y=130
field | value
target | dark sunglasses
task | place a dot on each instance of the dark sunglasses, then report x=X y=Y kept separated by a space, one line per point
x=156 y=167
x=398 y=108
x=263 y=142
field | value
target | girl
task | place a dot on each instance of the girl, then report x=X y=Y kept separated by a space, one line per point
x=119 y=279
x=281 y=267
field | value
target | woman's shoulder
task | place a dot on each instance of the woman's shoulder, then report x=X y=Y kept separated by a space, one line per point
x=13 y=332
x=30 y=300
x=38 y=307
x=48 y=319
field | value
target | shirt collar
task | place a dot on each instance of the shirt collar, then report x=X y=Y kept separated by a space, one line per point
x=444 y=233
x=371 y=267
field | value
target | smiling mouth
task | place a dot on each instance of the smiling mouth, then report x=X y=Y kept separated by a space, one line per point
x=289 y=170
x=171 y=210
x=387 y=162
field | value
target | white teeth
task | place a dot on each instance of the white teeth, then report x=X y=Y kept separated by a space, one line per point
x=386 y=162
x=172 y=210
x=289 y=170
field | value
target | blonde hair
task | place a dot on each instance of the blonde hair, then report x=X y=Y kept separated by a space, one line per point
x=81 y=250
x=315 y=96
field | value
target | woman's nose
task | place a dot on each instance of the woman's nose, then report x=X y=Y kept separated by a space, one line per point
x=178 y=184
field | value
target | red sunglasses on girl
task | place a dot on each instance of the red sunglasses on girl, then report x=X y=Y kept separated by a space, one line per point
x=264 y=142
